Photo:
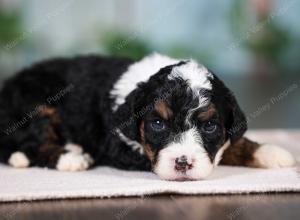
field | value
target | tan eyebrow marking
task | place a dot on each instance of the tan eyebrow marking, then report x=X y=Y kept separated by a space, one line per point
x=208 y=113
x=146 y=146
x=163 y=110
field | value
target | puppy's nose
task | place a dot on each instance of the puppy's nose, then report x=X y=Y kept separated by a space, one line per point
x=181 y=160
x=181 y=164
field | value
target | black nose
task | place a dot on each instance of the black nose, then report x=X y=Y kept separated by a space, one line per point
x=181 y=160
x=181 y=163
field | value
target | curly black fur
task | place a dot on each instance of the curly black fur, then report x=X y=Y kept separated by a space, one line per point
x=84 y=111
x=59 y=101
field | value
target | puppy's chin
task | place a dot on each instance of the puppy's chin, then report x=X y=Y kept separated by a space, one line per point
x=198 y=166
x=197 y=173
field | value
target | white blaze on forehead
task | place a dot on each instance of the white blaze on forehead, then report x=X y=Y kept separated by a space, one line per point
x=191 y=146
x=196 y=75
x=138 y=72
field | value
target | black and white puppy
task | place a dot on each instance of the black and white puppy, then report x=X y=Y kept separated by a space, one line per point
x=174 y=117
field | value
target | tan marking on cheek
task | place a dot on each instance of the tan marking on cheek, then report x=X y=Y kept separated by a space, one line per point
x=147 y=147
x=204 y=116
x=163 y=110
x=149 y=152
x=142 y=131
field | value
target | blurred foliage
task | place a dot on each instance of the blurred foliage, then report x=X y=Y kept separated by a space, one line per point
x=129 y=45
x=263 y=37
x=184 y=51
x=260 y=35
x=10 y=26
x=121 y=44
x=270 y=42
x=238 y=18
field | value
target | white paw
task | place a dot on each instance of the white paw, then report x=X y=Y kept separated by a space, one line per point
x=74 y=159
x=272 y=156
x=74 y=162
x=18 y=160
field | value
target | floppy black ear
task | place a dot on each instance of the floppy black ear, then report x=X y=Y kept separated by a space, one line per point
x=237 y=122
x=235 y=119
x=128 y=115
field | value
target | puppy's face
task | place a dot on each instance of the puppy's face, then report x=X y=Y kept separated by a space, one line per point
x=189 y=117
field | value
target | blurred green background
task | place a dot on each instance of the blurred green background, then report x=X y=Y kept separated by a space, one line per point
x=253 y=45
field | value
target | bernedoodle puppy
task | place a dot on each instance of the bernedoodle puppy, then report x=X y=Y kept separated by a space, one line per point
x=173 y=117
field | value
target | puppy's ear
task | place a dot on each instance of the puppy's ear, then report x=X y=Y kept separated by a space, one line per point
x=235 y=119
x=236 y=124
x=127 y=116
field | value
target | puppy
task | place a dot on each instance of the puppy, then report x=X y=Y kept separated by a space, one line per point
x=173 y=117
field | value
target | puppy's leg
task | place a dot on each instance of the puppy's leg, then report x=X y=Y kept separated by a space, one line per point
x=248 y=153
x=74 y=159
x=42 y=144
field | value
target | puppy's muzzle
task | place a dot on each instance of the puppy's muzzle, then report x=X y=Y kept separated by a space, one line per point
x=182 y=164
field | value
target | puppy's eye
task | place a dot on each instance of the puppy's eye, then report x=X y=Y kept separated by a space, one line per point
x=209 y=127
x=157 y=125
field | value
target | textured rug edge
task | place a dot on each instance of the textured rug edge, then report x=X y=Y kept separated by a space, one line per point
x=146 y=193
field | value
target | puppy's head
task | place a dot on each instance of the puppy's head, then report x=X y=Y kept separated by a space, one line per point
x=184 y=117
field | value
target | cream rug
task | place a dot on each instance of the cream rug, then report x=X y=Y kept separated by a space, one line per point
x=103 y=182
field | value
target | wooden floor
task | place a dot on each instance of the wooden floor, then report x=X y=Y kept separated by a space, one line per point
x=259 y=206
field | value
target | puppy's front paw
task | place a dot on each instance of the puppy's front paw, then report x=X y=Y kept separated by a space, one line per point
x=74 y=162
x=272 y=156
x=18 y=160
